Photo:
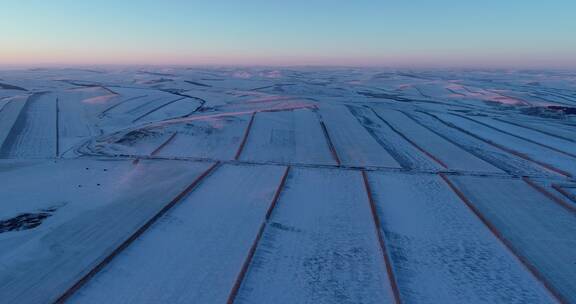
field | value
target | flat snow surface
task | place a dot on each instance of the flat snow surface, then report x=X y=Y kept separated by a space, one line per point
x=449 y=250
x=292 y=185
x=185 y=244
x=327 y=252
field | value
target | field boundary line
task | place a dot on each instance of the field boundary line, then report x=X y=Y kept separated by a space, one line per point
x=549 y=195
x=245 y=136
x=244 y=270
x=413 y=143
x=535 y=273
x=506 y=149
x=164 y=144
x=126 y=243
x=381 y=240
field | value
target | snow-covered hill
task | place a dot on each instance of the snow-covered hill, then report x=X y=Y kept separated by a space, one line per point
x=292 y=185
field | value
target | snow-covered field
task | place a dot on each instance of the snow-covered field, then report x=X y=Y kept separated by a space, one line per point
x=292 y=185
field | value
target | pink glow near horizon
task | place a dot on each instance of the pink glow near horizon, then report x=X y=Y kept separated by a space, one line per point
x=31 y=58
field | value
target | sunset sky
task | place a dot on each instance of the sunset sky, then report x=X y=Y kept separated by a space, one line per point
x=297 y=32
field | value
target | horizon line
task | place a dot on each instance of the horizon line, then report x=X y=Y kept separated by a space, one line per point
x=52 y=65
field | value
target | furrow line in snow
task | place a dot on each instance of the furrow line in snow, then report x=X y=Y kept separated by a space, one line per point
x=57 y=127
x=252 y=251
x=413 y=143
x=517 y=136
x=563 y=191
x=556 y=199
x=164 y=144
x=103 y=113
x=381 y=240
x=353 y=142
x=457 y=144
x=5 y=104
x=277 y=194
x=549 y=287
x=186 y=118
x=328 y=139
x=533 y=129
x=109 y=90
x=156 y=109
x=330 y=144
x=508 y=150
x=20 y=121
x=512 y=170
x=142 y=106
x=245 y=136
x=376 y=133
x=70 y=291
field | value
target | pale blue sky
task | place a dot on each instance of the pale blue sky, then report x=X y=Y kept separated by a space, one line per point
x=360 y=32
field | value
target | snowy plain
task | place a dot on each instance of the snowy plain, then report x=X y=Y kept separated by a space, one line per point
x=287 y=185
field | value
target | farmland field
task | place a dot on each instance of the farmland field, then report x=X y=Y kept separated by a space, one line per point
x=291 y=185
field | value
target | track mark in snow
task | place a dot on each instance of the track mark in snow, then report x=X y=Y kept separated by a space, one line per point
x=198 y=83
x=26 y=221
x=33 y=132
x=6 y=86
x=9 y=115
x=4 y=103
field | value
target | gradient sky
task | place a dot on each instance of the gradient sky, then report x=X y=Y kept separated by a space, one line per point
x=529 y=33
